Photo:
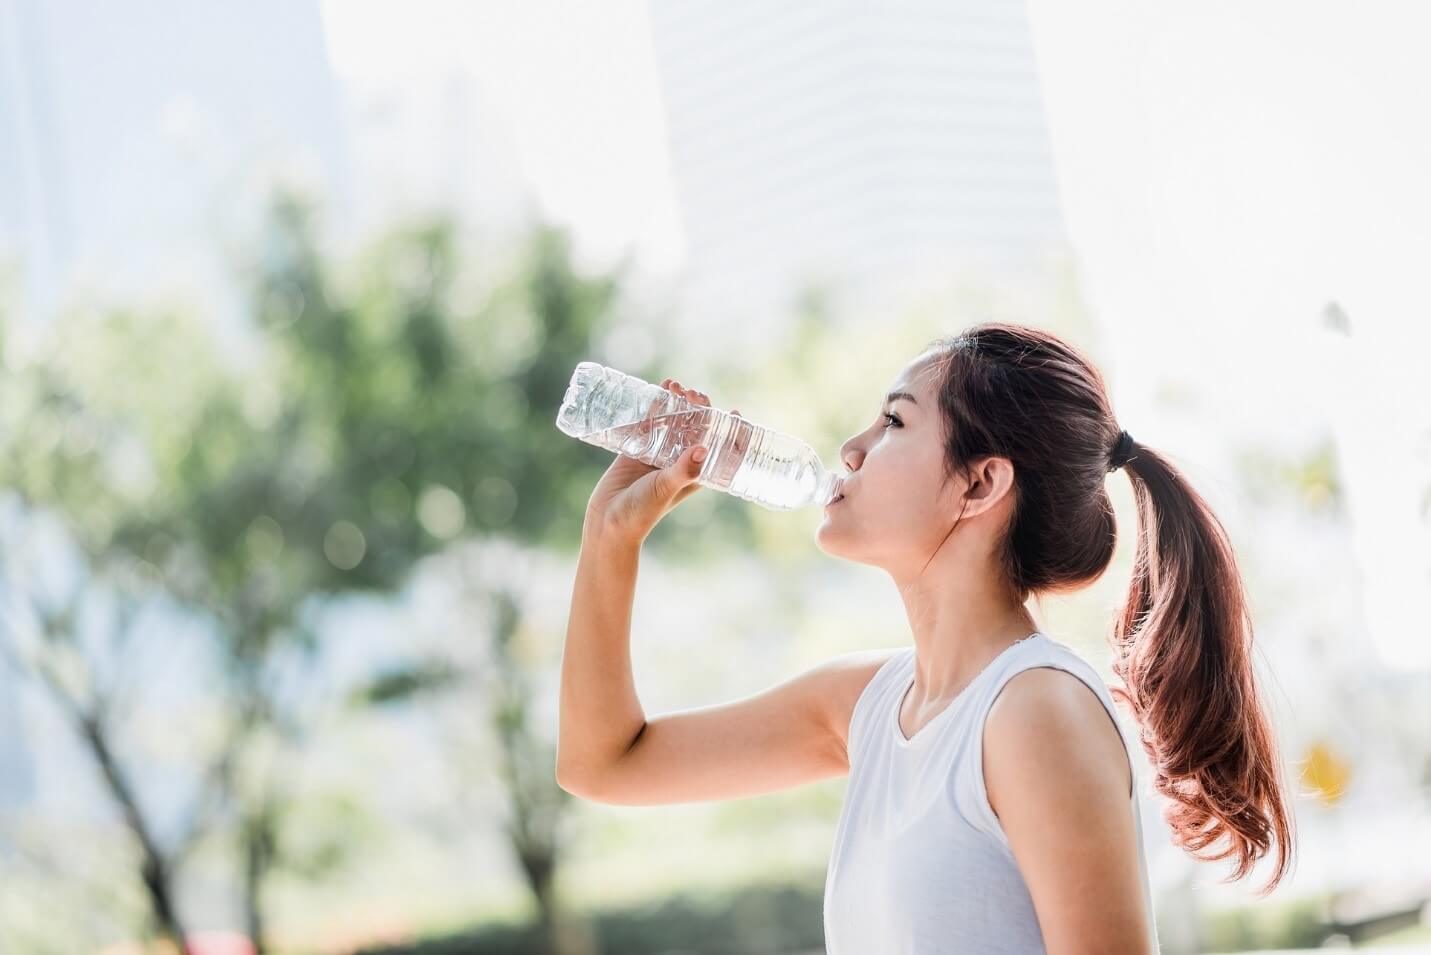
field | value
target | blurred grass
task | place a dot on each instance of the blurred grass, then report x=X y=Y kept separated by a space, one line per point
x=1415 y=935
x=781 y=913
x=771 y=917
x=1296 y=923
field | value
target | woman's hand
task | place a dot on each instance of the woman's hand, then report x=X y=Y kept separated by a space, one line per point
x=632 y=496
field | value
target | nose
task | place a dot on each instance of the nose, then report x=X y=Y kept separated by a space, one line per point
x=850 y=455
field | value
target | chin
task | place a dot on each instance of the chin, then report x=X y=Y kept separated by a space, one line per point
x=835 y=543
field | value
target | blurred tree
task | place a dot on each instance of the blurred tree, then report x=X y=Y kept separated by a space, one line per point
x=375 y=427
x=71 y=623
x=439 y=425
x=393 y=426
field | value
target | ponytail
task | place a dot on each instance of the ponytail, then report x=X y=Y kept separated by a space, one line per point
x=1182 y=645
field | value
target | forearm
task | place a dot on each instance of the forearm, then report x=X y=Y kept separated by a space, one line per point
x=600 y=712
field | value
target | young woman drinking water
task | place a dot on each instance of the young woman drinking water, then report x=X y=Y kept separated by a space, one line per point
x=991 y=805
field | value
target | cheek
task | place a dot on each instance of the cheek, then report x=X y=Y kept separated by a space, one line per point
x=907 y=494
x=891 y=498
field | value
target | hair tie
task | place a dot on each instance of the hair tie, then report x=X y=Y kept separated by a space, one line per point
x=1121 y=451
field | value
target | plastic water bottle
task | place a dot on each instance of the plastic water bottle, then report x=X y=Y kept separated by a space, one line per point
x=626 y=415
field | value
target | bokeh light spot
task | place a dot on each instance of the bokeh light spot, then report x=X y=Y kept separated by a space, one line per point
x=344 y=545
x=441 y=512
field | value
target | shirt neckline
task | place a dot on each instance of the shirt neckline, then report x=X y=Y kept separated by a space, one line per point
x=906 y=742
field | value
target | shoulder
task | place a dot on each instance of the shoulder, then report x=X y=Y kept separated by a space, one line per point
x=1058 y=778
x=1044 y=723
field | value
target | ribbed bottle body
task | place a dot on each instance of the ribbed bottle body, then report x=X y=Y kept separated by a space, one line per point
x=626 y=415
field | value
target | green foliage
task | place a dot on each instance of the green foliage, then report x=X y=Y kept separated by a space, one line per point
x=1294 y=924
x=404 y=683
x=379 y=423
x=755 y=920
x=321 y=834
x=369 y=422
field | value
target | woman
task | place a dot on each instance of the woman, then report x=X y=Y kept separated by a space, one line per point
x=991 y=805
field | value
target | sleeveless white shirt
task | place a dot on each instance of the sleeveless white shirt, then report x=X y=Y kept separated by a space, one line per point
x=920 y=864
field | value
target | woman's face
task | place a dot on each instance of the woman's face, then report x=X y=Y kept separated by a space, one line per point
x=896 y=508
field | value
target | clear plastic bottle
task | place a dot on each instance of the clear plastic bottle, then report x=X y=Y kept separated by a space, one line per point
x=626 y=415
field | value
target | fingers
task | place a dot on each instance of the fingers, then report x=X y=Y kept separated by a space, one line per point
x=696 y=397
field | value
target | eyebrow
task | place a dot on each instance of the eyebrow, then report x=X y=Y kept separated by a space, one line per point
x=894 y=396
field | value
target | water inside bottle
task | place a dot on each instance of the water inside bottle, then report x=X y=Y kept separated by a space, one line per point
x=744 y=459
x=660 y=438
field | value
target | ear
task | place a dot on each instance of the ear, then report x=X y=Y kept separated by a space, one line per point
x=991 y=480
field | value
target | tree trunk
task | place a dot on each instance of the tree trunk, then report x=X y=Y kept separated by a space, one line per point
x=154 y=868
x=563 y=932
x=258 y=842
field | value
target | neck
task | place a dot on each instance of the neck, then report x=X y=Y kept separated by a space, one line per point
x=960 y=624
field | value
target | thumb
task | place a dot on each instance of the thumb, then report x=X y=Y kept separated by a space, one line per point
x=685 y=470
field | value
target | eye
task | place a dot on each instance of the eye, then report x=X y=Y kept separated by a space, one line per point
x=893 y=420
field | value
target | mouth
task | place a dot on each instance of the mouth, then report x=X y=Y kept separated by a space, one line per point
x=837 y=499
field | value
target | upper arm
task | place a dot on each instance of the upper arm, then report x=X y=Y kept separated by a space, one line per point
x=787 y=735
x=1058 y=778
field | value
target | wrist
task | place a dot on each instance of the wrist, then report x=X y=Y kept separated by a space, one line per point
x=600 y=534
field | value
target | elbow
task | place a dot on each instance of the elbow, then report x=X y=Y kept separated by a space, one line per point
x=566 y=779
x=573 y=782
x=580 y=777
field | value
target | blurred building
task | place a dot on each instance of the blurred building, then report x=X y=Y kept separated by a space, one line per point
x=127 y=133
x=432 y=142
x=849 y=142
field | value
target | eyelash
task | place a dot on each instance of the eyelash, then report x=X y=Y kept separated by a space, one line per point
x=897 y=423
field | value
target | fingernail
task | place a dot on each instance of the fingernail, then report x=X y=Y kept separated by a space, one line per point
x=700 y=454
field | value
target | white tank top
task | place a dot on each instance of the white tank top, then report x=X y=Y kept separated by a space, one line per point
x=920 y=864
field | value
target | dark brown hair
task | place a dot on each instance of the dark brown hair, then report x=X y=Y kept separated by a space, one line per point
x=1182 y=641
